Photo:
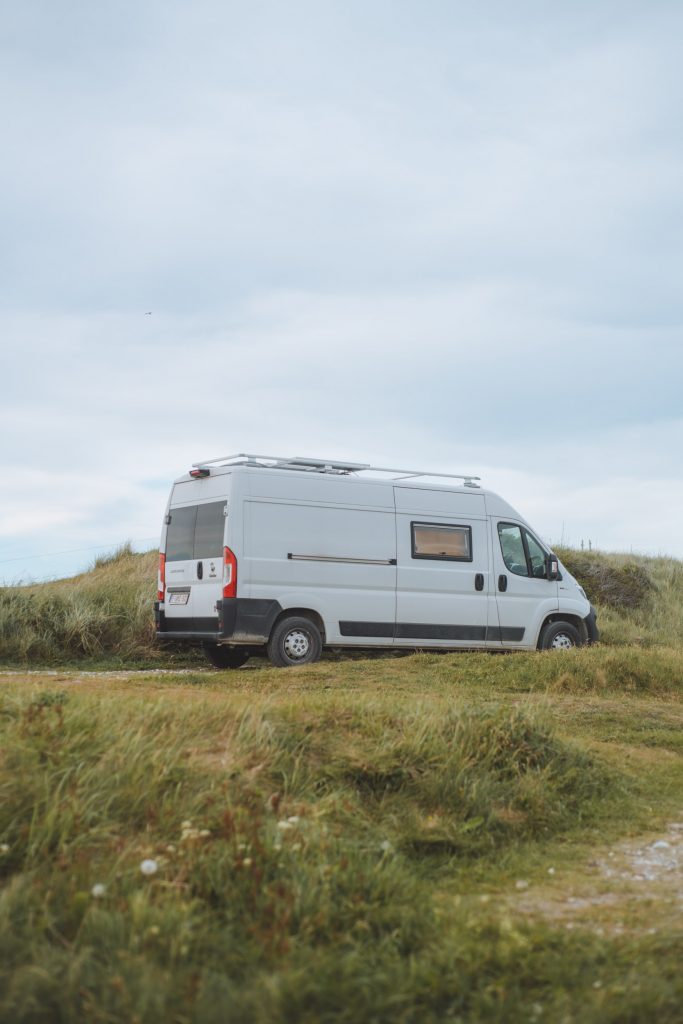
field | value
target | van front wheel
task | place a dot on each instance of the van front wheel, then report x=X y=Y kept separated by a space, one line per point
x=294 y=641
x=559 y=636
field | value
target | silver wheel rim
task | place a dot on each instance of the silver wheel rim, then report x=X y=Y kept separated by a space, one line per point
x=562 y=642
x=297 y=645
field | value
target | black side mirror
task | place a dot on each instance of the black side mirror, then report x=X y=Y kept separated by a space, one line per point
x=552 y=568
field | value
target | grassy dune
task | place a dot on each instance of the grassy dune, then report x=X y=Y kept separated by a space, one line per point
x=105 y=615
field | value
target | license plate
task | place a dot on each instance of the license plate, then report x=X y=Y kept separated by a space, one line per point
x=178 y=598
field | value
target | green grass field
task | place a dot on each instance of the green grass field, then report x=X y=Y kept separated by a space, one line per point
x=460 y=837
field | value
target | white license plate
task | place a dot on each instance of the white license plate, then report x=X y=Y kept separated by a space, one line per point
x=178 y=598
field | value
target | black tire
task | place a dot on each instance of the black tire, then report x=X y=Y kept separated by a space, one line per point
x=225 y=657
x=559 y=636
x=294 y=641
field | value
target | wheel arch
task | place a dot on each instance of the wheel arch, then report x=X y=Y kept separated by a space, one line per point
x=306 y=613
x=574 y=620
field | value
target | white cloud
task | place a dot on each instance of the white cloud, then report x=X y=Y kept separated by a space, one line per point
x=447 y=237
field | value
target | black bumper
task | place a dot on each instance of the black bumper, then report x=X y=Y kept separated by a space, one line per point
x=592 y=627
x=240 y=620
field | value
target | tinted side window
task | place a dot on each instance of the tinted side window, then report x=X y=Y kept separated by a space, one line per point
x=512 y=547
x=208 y=536
x=180 y=534
x=448 y=543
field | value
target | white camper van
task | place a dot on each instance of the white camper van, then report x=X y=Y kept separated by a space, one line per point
x=292 y=555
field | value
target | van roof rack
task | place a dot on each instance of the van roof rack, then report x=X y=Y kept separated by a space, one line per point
x=326 y=466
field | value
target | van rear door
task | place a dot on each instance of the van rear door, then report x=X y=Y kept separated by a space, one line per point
x=194 y=565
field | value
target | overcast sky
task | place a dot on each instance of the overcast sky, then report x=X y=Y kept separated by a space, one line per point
x=437 y=234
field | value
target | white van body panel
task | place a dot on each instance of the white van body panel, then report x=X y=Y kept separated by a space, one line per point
x=342 y=547
x=290 y=550
x=436 y=600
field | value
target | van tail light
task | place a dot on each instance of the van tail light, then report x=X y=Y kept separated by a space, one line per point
x=161 y=577
x=229 y=573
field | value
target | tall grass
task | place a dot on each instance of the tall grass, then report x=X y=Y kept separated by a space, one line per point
x=639 y=598
x=295 y=853
x=107 y=613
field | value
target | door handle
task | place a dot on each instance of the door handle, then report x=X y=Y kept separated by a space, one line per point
x=200 y=570
x=479 y=581
x=502 y=583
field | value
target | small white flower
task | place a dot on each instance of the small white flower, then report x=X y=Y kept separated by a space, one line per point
x=284 y=825
x=205 y=832
x=521 y=884
x=4 y=847
x=186 y=824
x=98 y=890
x=551 y=871
x=294 y=820
x=385 y=846
x=247 y=862
x=149 y=867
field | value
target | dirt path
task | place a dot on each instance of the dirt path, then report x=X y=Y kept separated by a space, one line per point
x=633 y=887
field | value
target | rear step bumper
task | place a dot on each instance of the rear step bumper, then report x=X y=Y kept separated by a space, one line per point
x=240 y=620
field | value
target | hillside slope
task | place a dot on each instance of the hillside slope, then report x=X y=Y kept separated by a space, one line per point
x=406 y=841
x=106 y=613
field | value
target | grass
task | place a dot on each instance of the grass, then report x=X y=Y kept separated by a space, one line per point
x=105 y=613
x=364 y=840
x=639 y=598
x=335 y=843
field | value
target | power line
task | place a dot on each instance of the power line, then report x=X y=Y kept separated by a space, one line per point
x=74 y=551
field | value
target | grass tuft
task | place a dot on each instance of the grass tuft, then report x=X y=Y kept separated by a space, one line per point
x=610 y=581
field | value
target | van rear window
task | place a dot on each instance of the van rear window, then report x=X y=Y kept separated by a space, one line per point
x=195 y=531
x=208 y=533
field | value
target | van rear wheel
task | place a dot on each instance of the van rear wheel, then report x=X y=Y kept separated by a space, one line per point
x=225 y=657
x=294 y=641
x=559 y=636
